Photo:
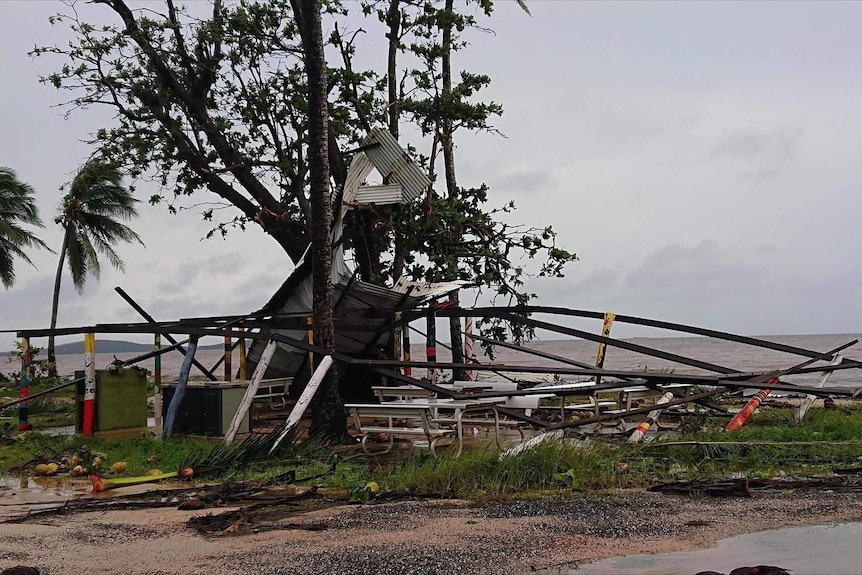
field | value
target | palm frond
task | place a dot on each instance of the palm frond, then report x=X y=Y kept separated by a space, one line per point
x=94 y=207
x=17 y=206
x=524 y=7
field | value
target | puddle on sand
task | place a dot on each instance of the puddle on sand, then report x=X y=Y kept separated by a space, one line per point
x=21 y=494
x=812 y=550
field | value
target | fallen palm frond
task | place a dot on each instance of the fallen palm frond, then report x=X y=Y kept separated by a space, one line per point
x=255 y=447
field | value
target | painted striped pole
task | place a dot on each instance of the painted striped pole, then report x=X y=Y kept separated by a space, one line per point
x=24 y=387
x=89 y=383
x=606 y=331
x=309 y=321
x=740 y=418
x=431 y=344
x=228 y=355
x=157 y=380
x=652 y=417
x=405 y=344
x=243 y=366
x=396 y=340
x=468 y=344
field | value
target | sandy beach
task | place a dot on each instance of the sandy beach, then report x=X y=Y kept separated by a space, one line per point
x=553 y=534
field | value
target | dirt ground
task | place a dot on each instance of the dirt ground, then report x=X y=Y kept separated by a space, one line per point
x=552 y=534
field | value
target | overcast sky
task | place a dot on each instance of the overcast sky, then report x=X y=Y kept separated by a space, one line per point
x=701 y=159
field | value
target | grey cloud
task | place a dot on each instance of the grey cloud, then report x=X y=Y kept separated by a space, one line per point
x=762 y=152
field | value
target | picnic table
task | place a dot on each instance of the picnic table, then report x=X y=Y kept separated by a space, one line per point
x=432 y=418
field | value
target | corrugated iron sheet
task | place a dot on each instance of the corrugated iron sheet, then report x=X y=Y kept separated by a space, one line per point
x=393 y=162
x=379 y=195
x=424 y=290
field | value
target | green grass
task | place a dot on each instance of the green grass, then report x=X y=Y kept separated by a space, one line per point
x=135 y=452
x=480 y=473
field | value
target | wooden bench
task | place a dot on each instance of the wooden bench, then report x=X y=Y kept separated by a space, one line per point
x=421 y=414
x=274 y=391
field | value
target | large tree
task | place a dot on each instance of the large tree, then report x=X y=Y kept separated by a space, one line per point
x=17 y=209
x=92 y=213
x=218 y=100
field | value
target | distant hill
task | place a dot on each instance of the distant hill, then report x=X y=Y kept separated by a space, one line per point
x=115 y=346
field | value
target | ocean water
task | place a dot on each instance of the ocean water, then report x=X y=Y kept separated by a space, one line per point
x=733 y=355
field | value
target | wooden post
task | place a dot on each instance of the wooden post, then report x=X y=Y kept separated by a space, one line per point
x=601 y=352
x=396 y=337
x=468 y=344
x=405 y=344
x=182 y=383
x=24 y=387
x=228 y=356
x=243 y=366
x=251 y=390
x=821 y=381
x=309 y=321
x=740 y=418
x=157 y=380
x=89 y=383
x=652 y=417
x=431 y=344
x=304 y=399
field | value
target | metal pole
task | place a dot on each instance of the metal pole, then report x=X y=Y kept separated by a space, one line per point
x=143 y=313
x=180 y=390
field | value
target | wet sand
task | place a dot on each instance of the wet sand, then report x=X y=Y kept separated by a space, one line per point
x=552 y=534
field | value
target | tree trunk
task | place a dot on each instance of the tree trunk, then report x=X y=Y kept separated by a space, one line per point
x=55 y=304
x=328 y=416
x=393 y=19
x=456 y=340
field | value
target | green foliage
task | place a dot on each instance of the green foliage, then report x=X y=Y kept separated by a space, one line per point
x=17 y=207
x=218 y=104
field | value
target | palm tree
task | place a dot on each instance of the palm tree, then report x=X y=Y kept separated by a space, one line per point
x=90 y=215
x=17 y=206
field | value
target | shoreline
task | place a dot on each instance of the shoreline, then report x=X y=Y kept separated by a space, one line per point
x=551 y=534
